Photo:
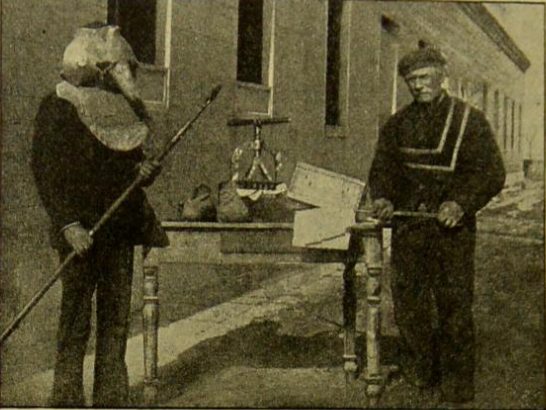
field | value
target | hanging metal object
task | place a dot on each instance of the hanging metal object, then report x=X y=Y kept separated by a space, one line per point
x=257 y=177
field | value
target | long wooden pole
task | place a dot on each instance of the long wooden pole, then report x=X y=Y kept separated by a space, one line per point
x=104 y=218
x=402 y=214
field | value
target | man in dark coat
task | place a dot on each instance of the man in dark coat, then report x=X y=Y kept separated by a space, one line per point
x=87 y=148
x=436 y=155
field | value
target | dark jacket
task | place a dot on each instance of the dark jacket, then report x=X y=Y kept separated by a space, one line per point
x=418 y=165
x=78 y=178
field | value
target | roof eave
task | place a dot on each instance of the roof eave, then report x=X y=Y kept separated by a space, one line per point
x=490 y=26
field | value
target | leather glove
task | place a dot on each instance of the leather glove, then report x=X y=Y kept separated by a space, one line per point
x=383 y=209
x=148 y=171
x=78 y=238
x=450 y=214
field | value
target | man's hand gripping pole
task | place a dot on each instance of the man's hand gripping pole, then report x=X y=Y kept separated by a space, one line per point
x=104 y=218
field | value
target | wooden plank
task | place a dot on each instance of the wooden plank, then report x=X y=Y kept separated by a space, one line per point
x=191 y=246
x=257 y=241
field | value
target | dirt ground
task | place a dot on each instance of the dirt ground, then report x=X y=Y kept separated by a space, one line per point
x=279 y=365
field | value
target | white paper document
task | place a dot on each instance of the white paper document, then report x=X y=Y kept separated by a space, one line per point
x=323 y=228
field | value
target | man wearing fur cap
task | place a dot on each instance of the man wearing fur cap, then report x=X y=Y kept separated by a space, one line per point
x=87 y=148
x=436 y=155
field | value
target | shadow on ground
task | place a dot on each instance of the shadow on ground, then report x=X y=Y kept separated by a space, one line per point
x=258 y=351
x=259 y=366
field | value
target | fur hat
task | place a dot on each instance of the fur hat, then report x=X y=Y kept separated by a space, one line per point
x=425 y=56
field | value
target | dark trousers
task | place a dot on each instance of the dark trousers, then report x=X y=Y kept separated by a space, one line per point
x=107 y=268
x=433 y=272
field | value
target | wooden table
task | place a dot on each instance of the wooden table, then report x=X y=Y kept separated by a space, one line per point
x=269 y=243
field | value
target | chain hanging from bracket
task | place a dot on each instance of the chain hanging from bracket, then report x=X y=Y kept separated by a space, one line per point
x=248 y=180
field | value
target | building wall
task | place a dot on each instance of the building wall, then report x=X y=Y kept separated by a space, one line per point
x=202 y=58
x=202 y=39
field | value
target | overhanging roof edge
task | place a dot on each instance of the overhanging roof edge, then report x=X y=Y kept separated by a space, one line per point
x=496 y=32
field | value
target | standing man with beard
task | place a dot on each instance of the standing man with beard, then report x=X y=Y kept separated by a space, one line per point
x=87 y=148
x=437 y=155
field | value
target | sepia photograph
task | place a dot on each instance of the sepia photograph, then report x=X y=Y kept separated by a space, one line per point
x=272 y=204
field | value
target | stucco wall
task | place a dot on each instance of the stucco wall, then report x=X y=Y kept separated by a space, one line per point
x=203 y=57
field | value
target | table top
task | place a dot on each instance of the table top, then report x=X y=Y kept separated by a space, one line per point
x=253 y=242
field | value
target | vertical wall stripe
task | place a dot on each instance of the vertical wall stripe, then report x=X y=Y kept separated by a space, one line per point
x=394 y=101
x=348 y=14
x=271 y=68
x=168 y=40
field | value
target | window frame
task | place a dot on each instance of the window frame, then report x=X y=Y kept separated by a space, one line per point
x=341 y=128
x=263 y=91
x=505 y=123
x=245 y=70
x=162 y=63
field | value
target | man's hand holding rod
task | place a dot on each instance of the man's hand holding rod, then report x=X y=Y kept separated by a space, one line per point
x=449 y=214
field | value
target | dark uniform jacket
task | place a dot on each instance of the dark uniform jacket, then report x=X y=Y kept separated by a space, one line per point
x=431 y=153
x=78 y=178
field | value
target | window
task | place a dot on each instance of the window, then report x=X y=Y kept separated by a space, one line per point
x=137 y=21
x=255 y=58
x=146 y=25
x=512 y=124
x=505 y=124
x=250 y=41
x=520 y=135
x=337 y=62
x=496 y=113
x=333 y=60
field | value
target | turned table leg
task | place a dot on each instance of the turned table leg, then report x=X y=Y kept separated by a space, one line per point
x=150 y=319
x=374 y=376
x=349 y=308
x=349 y=321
